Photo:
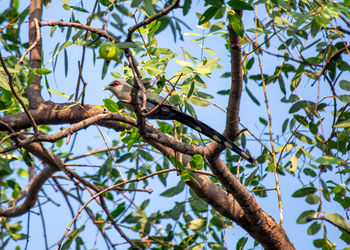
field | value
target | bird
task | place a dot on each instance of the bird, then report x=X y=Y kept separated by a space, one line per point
x=167 y=111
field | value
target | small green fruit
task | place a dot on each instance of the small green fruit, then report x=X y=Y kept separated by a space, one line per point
x=109 y=51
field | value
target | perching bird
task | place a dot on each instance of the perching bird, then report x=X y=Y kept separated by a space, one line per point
x=167 y=111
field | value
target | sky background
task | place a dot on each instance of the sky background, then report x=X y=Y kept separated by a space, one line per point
x=57 y=218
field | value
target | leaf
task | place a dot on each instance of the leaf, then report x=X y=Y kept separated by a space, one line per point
x=207 y=15
x=306 y=215
x=197 y=224
x=294 y=162
x=73 y=235
x=210 y=51
x=313 y=228
x=239 y=5
x=217 y=26
x=149 y=8
x=184 y=63
x=288 y=147
x=304 y=191
x=154 y=71
x=312 y=199
x=4 y=168
x=338 y=220
x=343 y=124
x=345 y=85
x=328 y=160
x=196 y=162
x=236 y=22
x=199 y=101
x=125 y=45
x=43 y=71
x=199 y=205
x=174 y=190
x=241 y=243
x=254 y=99
x=58 y=93
x=65 y=63
x=186 y=7
x=4 y=83
x=177 y=211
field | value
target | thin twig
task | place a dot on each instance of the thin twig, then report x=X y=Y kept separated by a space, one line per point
x=34 y=44
x=151 y=19
x=280 y=205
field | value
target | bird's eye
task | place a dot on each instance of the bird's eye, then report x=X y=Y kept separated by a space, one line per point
x=115 y=83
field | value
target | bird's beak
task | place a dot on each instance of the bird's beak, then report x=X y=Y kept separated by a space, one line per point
x=106 y=87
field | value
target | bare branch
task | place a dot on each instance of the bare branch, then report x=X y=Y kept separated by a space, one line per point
x=35 y=43
x=151 y=19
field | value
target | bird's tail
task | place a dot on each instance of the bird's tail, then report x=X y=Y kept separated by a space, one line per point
x=213 y=134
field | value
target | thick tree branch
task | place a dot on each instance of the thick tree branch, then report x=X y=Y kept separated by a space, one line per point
x=52 y=164
x=33 y=91
x=258 y=224
x=232 y=119
x=49 y=113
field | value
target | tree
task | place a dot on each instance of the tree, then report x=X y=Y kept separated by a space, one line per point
x=293 y=55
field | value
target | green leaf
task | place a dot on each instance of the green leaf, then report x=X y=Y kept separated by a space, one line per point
x=196 y=162
x=174 y=190
x=184 y=63
x=58 y=93
x=294 y=162
x=288 y=147
x=306 y=215
x=135 y=3
x=338 y=220
x=111 y=105
x=207 y=15
x=236 y=22
x=4 y=82
x=186 y=7
x=154 y=71
x=304 y=191
x=241 y=243
x=312 y=199
x=43 y=71
x=313 y=228
x=328 y=160
x=199 y=101
x=177 y=211
x=343 y=124
x=217 y=26
x=73 y=235
x=125 y=45
x=239 y=5
x=199 y=205
x=344 y=84
x=79 y=9
x=149 y=8
x=254 y=99
x=197 y=224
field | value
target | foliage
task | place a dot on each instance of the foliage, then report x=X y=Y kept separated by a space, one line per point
x=295 y=74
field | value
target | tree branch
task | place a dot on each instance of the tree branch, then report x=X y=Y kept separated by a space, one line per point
x=151 y=19
x=33 y=91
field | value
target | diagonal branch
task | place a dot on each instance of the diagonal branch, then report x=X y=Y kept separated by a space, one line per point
x=161 y=13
